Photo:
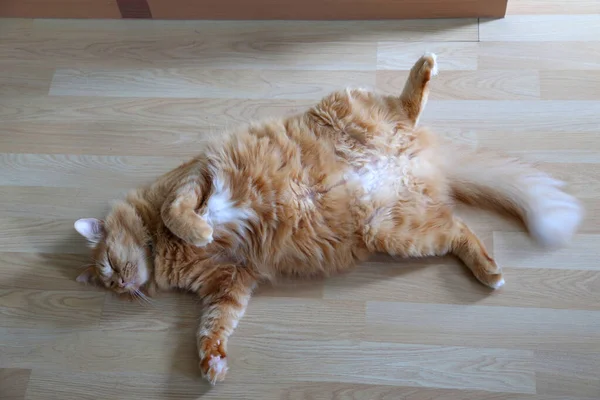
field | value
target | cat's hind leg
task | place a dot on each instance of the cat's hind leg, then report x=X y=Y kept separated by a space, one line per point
x=467 y=246
x=439 y=236
x=416 y=89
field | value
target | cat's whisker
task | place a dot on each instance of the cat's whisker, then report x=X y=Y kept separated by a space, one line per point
x=140 y=295
x=139 y=299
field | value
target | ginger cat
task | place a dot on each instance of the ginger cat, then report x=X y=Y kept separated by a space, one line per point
x=311 y=195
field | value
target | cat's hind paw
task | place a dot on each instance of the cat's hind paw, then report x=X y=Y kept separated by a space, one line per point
x=202 y=236
x=427 y=66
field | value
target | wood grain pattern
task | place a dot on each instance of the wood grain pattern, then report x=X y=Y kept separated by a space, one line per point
x=515 y=116
x=41 y=271
x=474 y=325
x=199 y=82
x=570 y=85
x=542 y=56
x=471 y=85
x=452 y=56
x=90 y=109
x=541 y=28
x=44 y=309
x=567 y=373
x=13 y=383
x=19 y=80
x=451 y=283
x=553 y=7
x=516 y=250
x=78 y=171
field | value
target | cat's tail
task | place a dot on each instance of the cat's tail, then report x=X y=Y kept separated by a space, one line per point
x=507 y=184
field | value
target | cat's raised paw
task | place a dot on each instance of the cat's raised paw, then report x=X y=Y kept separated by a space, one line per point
x=430 y=64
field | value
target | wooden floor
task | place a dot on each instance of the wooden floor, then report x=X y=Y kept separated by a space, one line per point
x=89 y=109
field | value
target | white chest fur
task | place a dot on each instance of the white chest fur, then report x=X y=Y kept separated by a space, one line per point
x=387 y=176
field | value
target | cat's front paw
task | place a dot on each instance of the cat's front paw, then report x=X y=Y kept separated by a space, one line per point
x=213 y=359
x=214 y=368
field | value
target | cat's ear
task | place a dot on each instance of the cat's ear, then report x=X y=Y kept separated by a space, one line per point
x=88 y=276
x=90 y=228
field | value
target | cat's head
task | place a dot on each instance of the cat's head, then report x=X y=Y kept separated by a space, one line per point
x=120 y=250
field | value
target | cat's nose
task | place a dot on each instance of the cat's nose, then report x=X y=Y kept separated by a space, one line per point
x=121 y=282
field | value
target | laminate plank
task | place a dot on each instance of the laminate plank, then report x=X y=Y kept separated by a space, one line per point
x=541 y=56
x=290 y=360
x=483 y=222
x=51 y=385
x=87 y=349
x=188 y=48
x=166 y=312
x=57 y=202
x=113 y=138
x=567 y=373
x=267 y=319
x=264 y=317
x=36 y=235
x=516 y=116
x=100 y=112
x=583 y=179
x=199 y=82
x=556 y=156
x=483 y=326
x=514 y=249
x=75 y=171
x=536 y=7
x=118 y=126
x=42 y=271
x=540 y=28
x=403 y=364
x=13 y=383
x=457 y=56
x=470 y=85
x=312 y=289
x=570 y=85
x=12 y=28
x=575 y=148
x=446 y=282
x=45 y=309
x=21 y=80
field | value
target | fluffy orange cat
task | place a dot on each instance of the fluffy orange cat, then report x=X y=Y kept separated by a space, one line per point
x=311 y=195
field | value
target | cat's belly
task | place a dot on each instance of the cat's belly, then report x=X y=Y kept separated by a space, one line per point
x=390 y=178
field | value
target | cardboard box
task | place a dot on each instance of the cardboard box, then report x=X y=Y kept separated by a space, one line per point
x=254 y=9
